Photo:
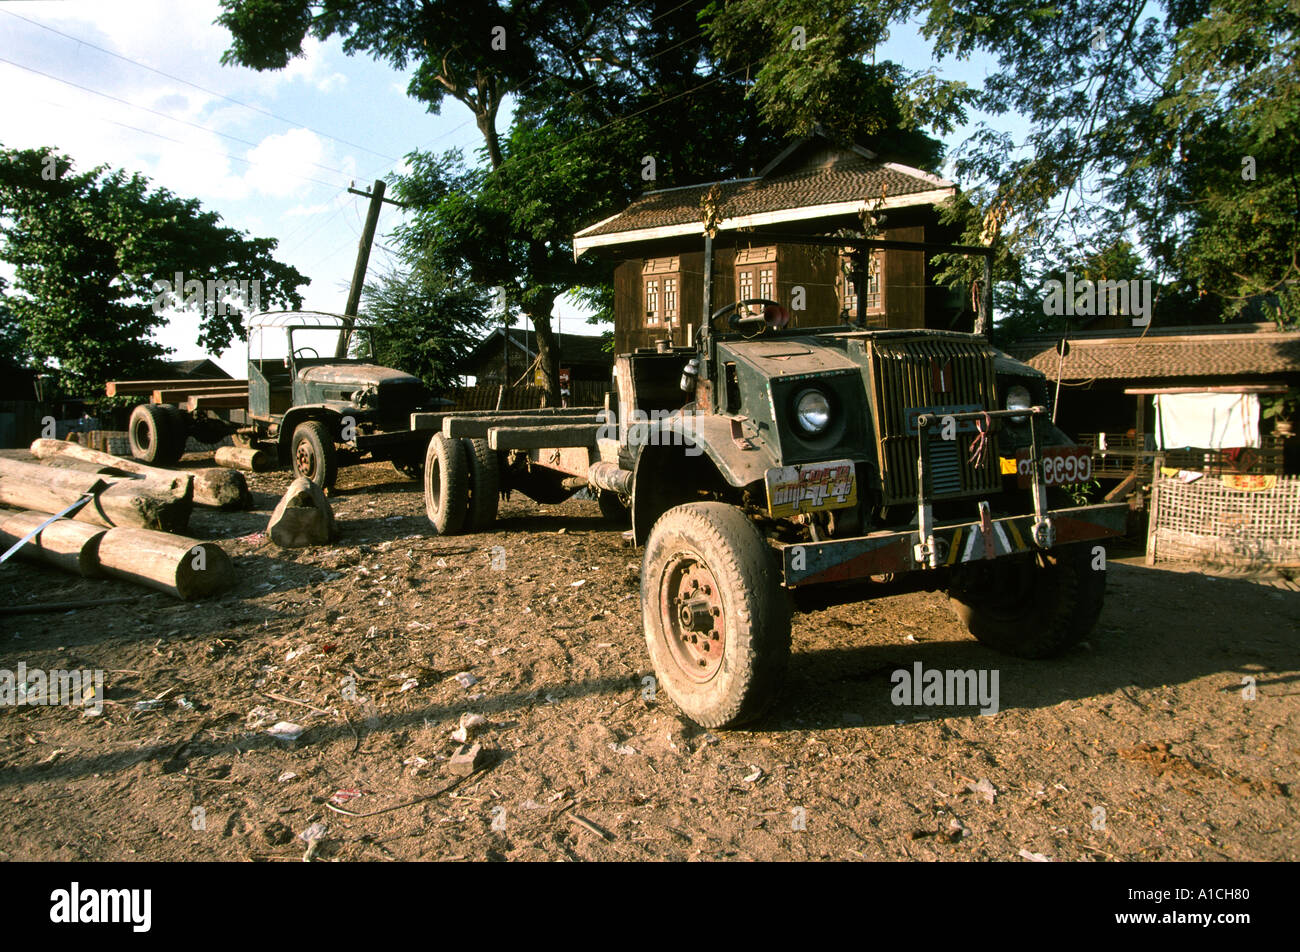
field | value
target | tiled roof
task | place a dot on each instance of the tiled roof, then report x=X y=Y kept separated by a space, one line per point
x=857 y=180
x=1173 y=352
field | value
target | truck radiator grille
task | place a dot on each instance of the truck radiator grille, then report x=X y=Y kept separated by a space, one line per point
x=923 y=372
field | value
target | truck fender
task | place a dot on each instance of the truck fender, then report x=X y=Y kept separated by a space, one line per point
x=295 y=415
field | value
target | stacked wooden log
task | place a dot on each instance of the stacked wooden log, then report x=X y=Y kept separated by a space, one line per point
x=127 y=529
x=220 y=488
x=185 y=568
x=127 y=500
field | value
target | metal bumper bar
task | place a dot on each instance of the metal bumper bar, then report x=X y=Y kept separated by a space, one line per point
x=881 y=553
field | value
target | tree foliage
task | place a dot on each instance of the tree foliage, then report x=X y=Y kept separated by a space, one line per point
x=88 y=248
x=424 y=322
x=1141 y=117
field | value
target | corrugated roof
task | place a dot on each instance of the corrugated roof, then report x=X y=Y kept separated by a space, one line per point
x=1170 y=352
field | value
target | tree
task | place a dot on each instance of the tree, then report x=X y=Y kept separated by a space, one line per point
x=424 y=322
x=89 y=251
x=13 y=342
x=814 y=65
x=1141 y=117
x=597 y=87
x=477 y=54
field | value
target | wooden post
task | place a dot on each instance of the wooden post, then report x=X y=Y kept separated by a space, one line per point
x=376 y=196
x=1153 y=509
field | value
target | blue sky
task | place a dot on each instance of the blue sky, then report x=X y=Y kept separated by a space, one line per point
x=336 y=120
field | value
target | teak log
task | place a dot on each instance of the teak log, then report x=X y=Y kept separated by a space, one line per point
x=478 y=426
x=248 y=458
x=71 y=546
x=219 y=488
x=145 y=503
x=542 y=437
x=117 y=388
x=180 y=395
x=182 y=567
x=218 y=401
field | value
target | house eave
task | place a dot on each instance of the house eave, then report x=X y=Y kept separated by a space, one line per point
x=583 y=244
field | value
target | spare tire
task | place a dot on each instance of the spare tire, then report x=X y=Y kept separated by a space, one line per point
x=1036 y=605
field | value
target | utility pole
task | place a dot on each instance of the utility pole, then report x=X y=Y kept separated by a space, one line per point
x=376 y=196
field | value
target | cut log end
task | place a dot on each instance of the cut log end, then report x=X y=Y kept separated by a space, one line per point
x=186 y=568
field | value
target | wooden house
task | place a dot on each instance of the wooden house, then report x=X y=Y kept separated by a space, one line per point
x=813 y=187
x=492 y=362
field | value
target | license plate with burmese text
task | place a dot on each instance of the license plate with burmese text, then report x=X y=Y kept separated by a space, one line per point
x=1062 y=465
x=811 y=487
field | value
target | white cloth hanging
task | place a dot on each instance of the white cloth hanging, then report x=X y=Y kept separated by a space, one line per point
x=1207 y=420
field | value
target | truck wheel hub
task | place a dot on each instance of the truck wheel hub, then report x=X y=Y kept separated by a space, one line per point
x=694 y=623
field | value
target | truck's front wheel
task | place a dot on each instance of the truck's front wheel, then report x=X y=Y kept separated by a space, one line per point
x=716 y=617
x=1032 y=606
x=313 y=453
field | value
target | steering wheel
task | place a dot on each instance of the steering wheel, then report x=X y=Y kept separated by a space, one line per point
x=774 y=315
x=299 y=352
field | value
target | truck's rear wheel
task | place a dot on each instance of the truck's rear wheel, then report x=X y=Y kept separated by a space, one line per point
x=1037 y=605
x=446 y=484
x=484 y=485
x=716 y=617
x=156 y=434
x=313 y=453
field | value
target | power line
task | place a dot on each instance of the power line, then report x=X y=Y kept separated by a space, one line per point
x=181 y=142
x=125 y=102
x=210 y=92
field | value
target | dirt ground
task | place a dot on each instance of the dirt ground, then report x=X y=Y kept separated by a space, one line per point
x=1139 y=745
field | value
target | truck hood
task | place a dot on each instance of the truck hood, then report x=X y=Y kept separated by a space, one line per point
x=358 y=374
x=787 y=356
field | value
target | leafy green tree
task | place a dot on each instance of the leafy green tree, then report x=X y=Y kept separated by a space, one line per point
x=424 y=322
x=89 y=248
x=1141 y=115
x=477 y=54
x=13 y=342
x=814 y=64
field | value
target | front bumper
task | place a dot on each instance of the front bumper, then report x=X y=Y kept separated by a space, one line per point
x=882 y=553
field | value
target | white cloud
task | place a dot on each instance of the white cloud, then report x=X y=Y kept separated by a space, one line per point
x=278 y=160
x=313 y=67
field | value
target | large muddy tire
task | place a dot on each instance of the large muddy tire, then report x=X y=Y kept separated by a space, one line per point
x=484 y=485
x=156 y=434
x=613 y=507
x=1037 y=605
x=446 y=484
x=313 y=455
x=716 y=617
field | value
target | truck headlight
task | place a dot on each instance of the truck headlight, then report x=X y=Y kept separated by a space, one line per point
x=1018 y=399
x=812 y=411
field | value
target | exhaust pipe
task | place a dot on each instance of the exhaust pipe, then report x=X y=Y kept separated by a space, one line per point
x=610 y=478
